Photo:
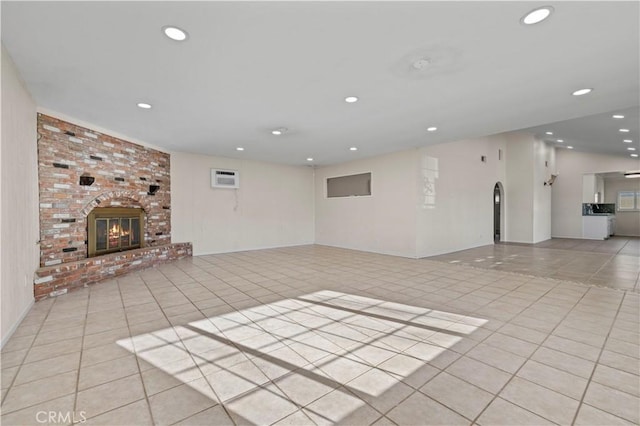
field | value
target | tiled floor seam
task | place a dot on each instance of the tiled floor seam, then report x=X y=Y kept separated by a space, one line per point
x=613 y=256
x=212 y=292
x=568 y=280
x=84 y=330
x=26 y=354
x=597 y=362
x=520 y=274
x=515 y=373
x=144 y=388
x=271 y=382
x=36 y=404
x=219 y=401
x=293 y=371
x=344 y=385
x=185 y=420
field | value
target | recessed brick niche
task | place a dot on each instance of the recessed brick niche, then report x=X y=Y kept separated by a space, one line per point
x=123 y=175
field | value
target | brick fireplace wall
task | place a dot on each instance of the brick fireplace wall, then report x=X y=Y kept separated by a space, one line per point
x=123 y=172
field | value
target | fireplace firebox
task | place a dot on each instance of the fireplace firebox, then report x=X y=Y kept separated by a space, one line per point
x=113 y=229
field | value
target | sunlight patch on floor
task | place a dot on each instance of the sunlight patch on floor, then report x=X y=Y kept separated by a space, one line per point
x=302 y=352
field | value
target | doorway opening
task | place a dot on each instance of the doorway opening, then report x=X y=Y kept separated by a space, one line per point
x=498 y=220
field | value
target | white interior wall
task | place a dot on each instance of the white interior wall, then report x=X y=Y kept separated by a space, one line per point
x=272 y=208
x=455 y=209
x=19 y=255
x=543 y=166
x=519 y=192
x=384 y=222
x=452 y=199
x=566 y=206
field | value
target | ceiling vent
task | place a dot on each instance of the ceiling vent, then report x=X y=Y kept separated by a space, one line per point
x=225 y=178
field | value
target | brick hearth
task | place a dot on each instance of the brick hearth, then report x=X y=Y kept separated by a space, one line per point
x=57 y=280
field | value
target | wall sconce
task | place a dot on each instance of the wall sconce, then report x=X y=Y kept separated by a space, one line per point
x=153 y=189
x=86 y=180
x=551 y=180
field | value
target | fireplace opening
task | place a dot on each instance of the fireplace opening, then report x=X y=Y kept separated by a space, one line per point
x=113 y=229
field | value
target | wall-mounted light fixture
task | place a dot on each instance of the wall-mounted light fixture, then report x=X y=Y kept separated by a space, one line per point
x=551 y=180
x=632 y=175
x=153 y=189
x=86 y=180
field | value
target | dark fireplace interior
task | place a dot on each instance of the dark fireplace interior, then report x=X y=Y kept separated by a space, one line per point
x=112 y=229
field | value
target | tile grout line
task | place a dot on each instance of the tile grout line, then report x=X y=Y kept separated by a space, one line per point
x=597 y=362
x=271 y=381
x=84 y=330
x=310 y=363
x=112 y=380
x=26 y=354
x=144 y=389
x=218 y=402
x=472 y=421
x=497 y=394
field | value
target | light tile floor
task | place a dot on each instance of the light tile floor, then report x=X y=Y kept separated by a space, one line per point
x=318 y=335
x=611 y=263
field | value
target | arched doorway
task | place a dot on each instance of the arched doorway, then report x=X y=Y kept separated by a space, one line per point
x=498 y=219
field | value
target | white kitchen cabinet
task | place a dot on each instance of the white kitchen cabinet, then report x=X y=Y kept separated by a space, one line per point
x=596 y=227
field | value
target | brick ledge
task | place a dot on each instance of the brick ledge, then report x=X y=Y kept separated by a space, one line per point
x=51 y=281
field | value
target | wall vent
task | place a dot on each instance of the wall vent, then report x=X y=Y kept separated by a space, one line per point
x=225 y=178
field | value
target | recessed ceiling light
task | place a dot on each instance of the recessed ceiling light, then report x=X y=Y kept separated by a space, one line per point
x=634 y=155
x=351 y=99
x=421 y=63
x=279 y=131
x=624 y=130
x=175 y=33
x=144 y=105
x=631 y=148
x=581 y=92
x=239 y=148
x=353 y=148
x=627 y=141
x=537 y=15
x=561 y=140
x=309 y=159
x=432 y=129
x=569 y=147
x=617 y=116
x=548 y=133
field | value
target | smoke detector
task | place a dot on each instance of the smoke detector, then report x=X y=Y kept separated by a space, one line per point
x=421 y=63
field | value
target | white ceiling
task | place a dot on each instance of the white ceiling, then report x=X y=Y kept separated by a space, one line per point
x=250 y=67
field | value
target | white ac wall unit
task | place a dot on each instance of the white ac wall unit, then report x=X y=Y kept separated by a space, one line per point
x=225 y=178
